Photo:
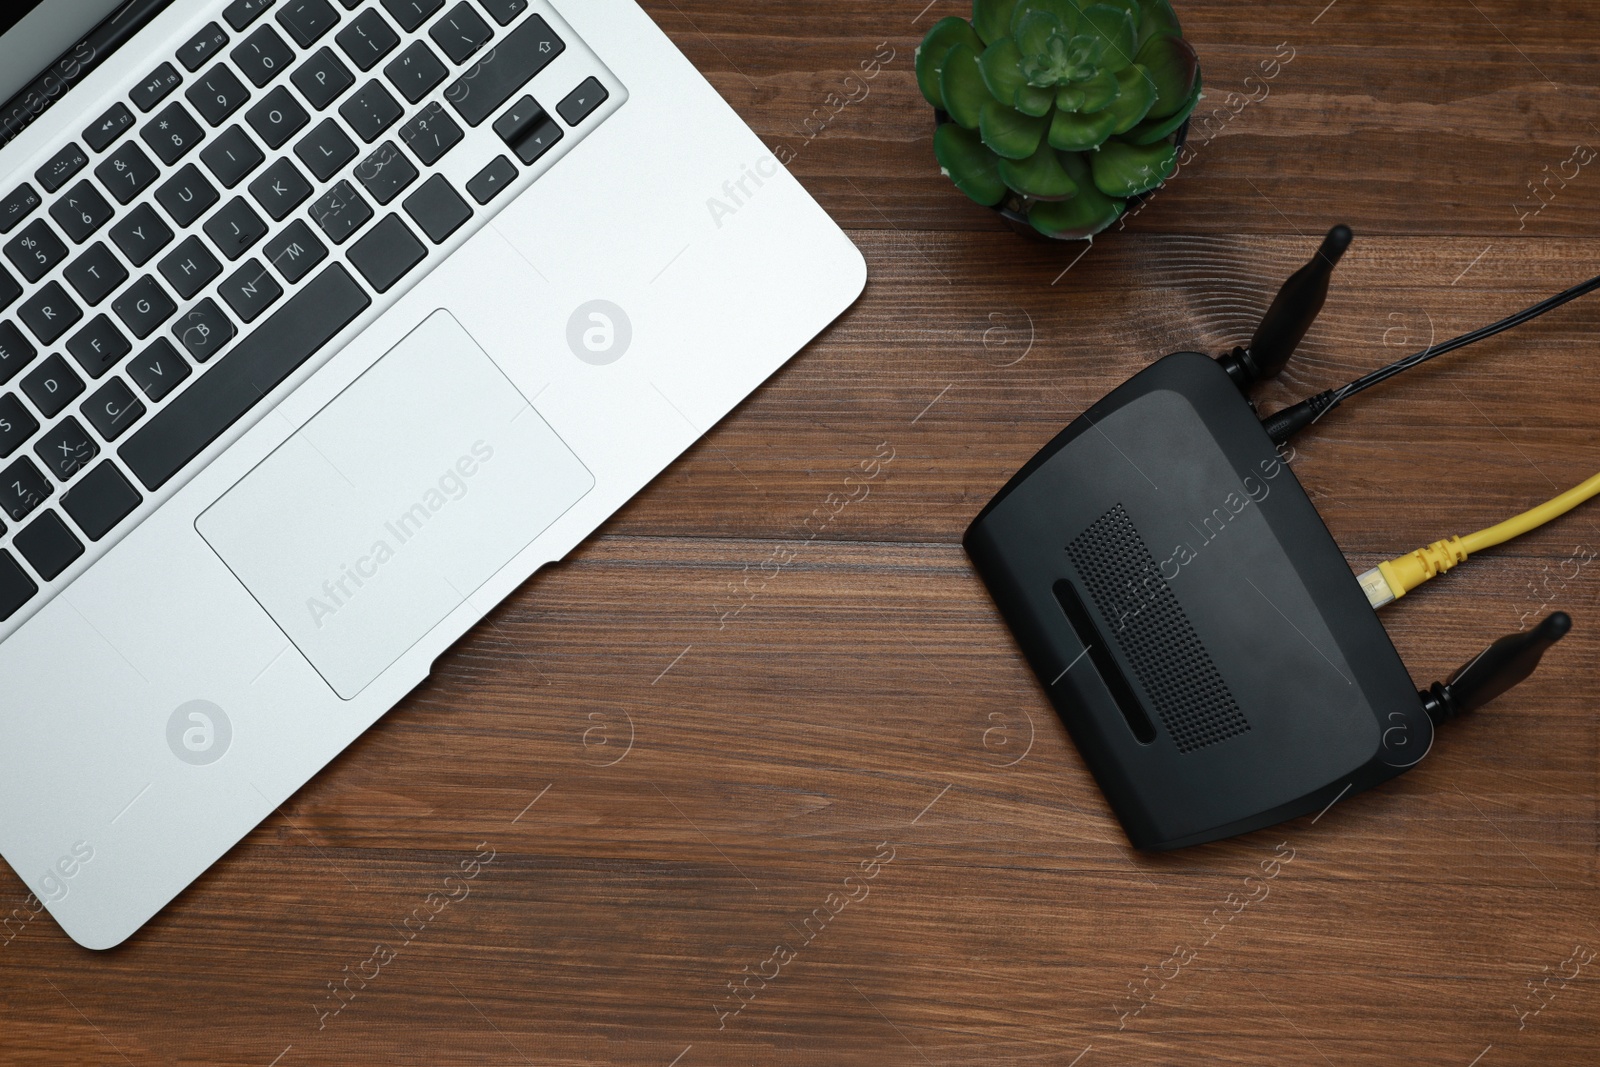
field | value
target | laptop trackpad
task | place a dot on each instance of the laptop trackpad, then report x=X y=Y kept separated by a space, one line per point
x=388 y=509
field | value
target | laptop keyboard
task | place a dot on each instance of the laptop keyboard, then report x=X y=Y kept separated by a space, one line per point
x=288 y=168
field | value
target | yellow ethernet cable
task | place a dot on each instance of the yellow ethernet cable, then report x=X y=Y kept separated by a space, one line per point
x=1391 y=580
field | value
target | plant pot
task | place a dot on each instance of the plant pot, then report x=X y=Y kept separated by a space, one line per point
x=1010 y=209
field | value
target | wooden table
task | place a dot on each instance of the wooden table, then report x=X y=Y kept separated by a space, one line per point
x=665 y=757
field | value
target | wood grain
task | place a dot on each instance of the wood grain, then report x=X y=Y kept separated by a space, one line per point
x=678 y=748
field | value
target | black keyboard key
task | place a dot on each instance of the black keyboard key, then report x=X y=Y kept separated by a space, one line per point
x=437 y=208
x=250 y=290
x=507 y=67
x=279 y=346
x=127 y=172
x=340 y=212
x=307 y=20
x=65 y=449
x=386 y=172
x=48 y=545
x=172 y=133
x=95 y=273
x=98 y=347
x=159 y=369
x=16 y=425
x=415 y=71
x=370 y=111
x=112 y=410
x=62 y=166
x=503 y=11
x=101 y=500
x=325 y=149
x=186 y=195
x=487 y=183
x=36 y=250
x=581 y=102
x=10 y=289
x=231 y=155
x=17 y=205
x=49 y=313
x=411 y=13
x=295 y=251
x=81 y=211
x=143 y=307
x=242 y=13
x=16 y=351
x=108 y=127
x=16 y=588
x=235 y=227
x=204 y=330
x=322 y=78
x=277 y=117
x=527 y=130
x=280 y=189
x=367 y=39
x=263 y=56
x=386 y=253
x=218 y=94
x=51 y=386
x=22 y=488
x=431 y=134
x=190 y=267
x=154 y=89
x=141 y=234
x=461 y=32
x=350 y=5
x=201 y=47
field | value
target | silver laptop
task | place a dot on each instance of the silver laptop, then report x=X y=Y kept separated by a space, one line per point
x=324 y=324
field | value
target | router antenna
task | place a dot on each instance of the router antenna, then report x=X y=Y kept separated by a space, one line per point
x=1496 y=669
x=1293 y=311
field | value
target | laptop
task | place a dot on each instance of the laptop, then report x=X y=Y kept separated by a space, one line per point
x=324 y=324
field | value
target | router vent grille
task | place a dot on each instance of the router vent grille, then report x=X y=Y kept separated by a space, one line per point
x=1144 y=616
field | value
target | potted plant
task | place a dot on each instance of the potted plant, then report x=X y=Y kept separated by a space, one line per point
x=1059 y=112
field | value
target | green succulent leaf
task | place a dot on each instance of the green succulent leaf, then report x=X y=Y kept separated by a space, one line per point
x=992 y=19
x=1157 y=17
x=966 y=161
x=1117 y=32
x=1034 y=33
x=1099 y=92
x=1174 y=68
x=1009 y=132
x=1040 y=176
x=1122 y=169
x=1136 y=95
x=1031 y=100
x=1078 y=217
x=1152 y=130
x=1070 y=98
x=1063 y=60
x=1074 y=131
x=935 y=49
x=962 y=86
x=1001 y=66
x=1065 y=11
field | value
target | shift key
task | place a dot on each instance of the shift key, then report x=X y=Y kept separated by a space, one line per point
x=507 y=67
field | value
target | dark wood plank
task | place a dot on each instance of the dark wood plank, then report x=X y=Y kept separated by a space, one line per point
x=679 y=743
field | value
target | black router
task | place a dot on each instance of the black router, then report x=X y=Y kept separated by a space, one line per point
x=1199 y=632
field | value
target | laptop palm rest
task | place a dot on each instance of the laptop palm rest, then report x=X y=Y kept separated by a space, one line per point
x=385 y=511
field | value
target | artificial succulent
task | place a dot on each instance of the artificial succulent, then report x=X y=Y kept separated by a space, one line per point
x=1062 y=109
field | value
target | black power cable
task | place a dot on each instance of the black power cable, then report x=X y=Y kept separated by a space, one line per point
x=1282 y=425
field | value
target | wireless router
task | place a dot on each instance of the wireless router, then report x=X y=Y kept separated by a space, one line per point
x=1207 y=645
